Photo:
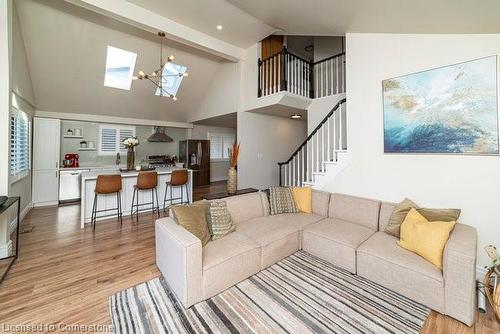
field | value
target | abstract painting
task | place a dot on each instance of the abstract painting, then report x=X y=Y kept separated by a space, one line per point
x=451 y=109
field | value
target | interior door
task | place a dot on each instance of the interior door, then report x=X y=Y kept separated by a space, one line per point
x=271 y=45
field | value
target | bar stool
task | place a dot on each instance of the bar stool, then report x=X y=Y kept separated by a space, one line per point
x=107 y=184
x=145 y=181
x=178 y=178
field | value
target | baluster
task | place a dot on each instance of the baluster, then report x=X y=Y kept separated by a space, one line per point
x=328 y=139
x=302 y=77
x=327 y=78
x=317 y=150
x=341 y=130
x=337 y=74
x=322 y=146
x=303 y=166
x=295 y=73
x=312 y=155
x=343 y=73
x=289 y=72
x=334 y=121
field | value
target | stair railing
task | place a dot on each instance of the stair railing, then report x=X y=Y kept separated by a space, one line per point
x=329 y=76
x=286 y=71
x=319 y=147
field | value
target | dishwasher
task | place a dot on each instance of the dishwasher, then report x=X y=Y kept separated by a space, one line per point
x=70 y=185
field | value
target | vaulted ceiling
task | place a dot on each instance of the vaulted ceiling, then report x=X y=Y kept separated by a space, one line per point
x=66 y=51
x=336 y=17
x=239 y=28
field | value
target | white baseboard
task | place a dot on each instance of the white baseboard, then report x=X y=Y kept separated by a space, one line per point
x=6 y=250
x=220 y=178
x=51 y=203
x=24 y=212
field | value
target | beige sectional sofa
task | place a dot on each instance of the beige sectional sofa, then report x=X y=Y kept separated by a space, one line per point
x=343 y=230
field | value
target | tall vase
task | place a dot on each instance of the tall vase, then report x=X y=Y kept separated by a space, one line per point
x=130 y=158
x=232 y=180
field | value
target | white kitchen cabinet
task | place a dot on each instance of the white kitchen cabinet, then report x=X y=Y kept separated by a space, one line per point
x=45 y=187
x=46 y=150
x=46 y=143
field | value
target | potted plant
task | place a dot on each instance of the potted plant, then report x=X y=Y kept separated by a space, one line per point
x=492 y=280
x=232 y=177
x=130 y=143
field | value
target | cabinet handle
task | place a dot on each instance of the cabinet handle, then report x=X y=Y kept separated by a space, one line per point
x=57 y=164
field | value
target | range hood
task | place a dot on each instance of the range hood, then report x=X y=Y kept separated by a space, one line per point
x=159 y=135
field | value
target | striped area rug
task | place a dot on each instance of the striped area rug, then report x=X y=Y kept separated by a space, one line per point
x=299 y=294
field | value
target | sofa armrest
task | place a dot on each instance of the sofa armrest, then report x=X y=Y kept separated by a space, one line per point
x=459 y=271
x=179 y=258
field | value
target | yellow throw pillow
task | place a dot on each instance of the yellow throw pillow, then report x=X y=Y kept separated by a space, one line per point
x=303 y=198
x=425 y=238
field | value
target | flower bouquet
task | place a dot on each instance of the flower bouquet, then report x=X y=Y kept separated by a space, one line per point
x=130 y=143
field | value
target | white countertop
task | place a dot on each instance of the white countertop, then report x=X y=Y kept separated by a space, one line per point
x=94 y=173
x=93 y=167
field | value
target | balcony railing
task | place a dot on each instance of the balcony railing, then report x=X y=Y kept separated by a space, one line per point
x=286 y=71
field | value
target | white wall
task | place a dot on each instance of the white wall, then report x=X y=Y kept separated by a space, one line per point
x=471 y=183
x=326 y=46
x=23 y=99
x=319 y=108
x=222 y=96
x=218 y=169
x=265 y=141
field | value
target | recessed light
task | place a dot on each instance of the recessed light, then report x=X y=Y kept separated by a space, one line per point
x=296 y=116
x=219 y=27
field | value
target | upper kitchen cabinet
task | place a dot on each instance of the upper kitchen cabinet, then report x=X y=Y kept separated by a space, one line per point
x=46 y=143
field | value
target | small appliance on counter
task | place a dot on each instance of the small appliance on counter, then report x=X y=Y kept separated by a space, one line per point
x=71 y=160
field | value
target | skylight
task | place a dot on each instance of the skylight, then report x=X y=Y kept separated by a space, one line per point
x=171 y=79
x=119 y=68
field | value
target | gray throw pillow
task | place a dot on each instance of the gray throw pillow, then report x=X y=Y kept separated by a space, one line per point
x=398 y=216
x=220 y=221
x=281 y=200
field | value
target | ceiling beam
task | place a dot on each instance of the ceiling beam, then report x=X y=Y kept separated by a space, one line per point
x=111 y=119
x=150 y=21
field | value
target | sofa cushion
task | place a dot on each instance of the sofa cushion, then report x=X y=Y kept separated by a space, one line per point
x=381 y=260
x=278 y=235
x=247 y=206
x=227 y=261
x=386 y=209
x=359 y=210
x=335 y=241
x=320 y=202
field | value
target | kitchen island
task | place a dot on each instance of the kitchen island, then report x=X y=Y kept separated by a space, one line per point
x=129 y=179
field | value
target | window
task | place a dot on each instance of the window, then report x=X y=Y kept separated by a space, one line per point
x=220 y=145
x=111 y=137
x=172 y=82
x=19 y=144
x=119 y=68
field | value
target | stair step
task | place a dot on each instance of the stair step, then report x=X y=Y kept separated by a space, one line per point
x=331 y=162
x=319 y=173
x=308 y=183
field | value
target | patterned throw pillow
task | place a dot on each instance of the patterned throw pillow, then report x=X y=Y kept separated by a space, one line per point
x=220 y=222
x=281 y=200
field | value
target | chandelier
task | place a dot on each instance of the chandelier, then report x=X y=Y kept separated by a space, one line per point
x=158 y=77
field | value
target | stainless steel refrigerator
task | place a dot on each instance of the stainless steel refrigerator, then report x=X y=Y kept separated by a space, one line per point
x=195 y=155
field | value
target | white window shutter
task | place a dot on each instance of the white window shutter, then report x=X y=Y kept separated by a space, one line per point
x=112 y=136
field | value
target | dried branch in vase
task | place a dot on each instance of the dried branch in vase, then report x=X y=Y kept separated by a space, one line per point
x=235 y=151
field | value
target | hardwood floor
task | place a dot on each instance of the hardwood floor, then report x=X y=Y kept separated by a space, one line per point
x=64 y=275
